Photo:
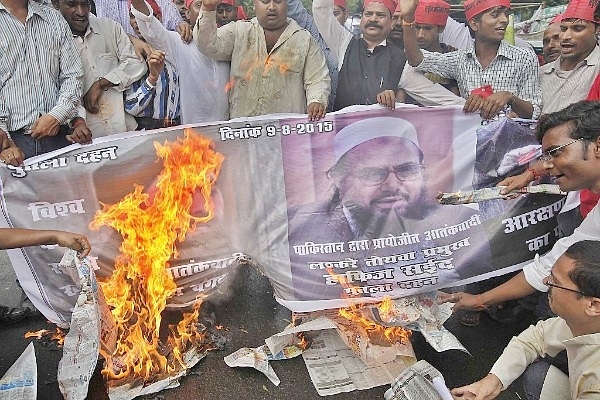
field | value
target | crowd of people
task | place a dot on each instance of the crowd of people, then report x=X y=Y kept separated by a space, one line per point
x=74 y=70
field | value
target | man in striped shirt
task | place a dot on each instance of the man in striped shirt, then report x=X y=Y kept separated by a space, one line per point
x=40 y=80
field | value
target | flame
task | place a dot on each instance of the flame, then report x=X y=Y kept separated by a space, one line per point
x=151 y=225
x=385 y=335
x=251 y=65
x=58 y=335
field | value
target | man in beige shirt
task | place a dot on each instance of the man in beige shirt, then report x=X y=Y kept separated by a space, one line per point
x=276 y=66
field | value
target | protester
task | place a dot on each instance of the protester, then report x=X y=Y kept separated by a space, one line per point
x=395 y=35
x=118 y=10
x=276 y=66
x=340 y=11
x=110 y=66
x=551 y=40
x=154 y=99
x=41 y=83
x=379 y=188
x=371 y=69
x=226 y=12
x=571 y=144
x=574 y=293
x=11 y=238
x=298 y=13
x=430 y=21
x=202 y=81
x=491 y=65
x=565 y=81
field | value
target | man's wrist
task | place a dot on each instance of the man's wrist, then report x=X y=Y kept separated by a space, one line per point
x=408 y=19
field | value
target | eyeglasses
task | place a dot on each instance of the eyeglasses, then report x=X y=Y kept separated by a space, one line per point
x=376 y=176
x=548 y=155
x=550 y=283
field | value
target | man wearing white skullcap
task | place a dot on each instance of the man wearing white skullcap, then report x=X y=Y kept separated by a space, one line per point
x=379 y=189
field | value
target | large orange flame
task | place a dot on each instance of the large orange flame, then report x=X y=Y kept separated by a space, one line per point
x=140 y=285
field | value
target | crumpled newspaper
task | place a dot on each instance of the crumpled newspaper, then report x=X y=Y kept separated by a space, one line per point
x=491 y=193
x=255 y=358
x=20 y=381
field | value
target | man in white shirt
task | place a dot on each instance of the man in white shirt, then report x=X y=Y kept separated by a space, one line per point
x=202 y=81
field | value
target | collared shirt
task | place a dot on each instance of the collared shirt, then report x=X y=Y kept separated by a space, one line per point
x=106 y=52
x=160 y=101
x=40 y=68
x=202 y=80
x=549 y=337
x=284 y=80
x=562 y=88
x=414 y=83
x=118 y=10
x=513 y=70
x=298 y=13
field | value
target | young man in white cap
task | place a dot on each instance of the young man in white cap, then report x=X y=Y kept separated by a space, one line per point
x=492 y=75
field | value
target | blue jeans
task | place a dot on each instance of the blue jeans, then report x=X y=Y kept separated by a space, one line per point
x=33 y=147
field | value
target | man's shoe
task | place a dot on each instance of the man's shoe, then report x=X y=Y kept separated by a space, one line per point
x=13 y=315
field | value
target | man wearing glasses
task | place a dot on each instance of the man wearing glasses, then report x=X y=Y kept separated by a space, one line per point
x=574 y=295
x=571 y=155
x=379 y=189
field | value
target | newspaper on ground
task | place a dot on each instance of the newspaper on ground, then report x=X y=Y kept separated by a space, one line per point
x=479 y=195
x=254 y=358
x=421 y=381
x=421 y=313
x=335 y=368
x=20 y=381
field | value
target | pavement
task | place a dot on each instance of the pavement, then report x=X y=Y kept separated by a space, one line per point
x=249 y=316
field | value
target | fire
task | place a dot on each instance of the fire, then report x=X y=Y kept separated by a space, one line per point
x=377 y=333
x=58 y=335
x=151 y=225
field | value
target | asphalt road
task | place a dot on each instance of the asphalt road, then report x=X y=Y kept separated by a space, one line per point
x=250 y=316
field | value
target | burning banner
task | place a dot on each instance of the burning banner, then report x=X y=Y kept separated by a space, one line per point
x=336 y=211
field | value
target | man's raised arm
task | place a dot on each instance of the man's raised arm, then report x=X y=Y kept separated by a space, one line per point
x=336 y=36
x=411 y=46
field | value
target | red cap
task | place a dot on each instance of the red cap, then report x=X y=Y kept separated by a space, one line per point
x=188 y=3
x=556 y=20
x=432 y=12
x=230 y=2
x=475 y=7
x=241 y=14
x=390 y=4
x=341 y=3
x=581 y=9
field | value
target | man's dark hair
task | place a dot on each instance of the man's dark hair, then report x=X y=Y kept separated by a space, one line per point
x=586 y=274
x=584 y=115
x=597 y=12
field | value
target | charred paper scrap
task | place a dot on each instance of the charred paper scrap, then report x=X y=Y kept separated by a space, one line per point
x=484 y=194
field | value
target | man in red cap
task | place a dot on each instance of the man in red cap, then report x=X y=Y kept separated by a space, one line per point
x=430 y=21
x=371 y=68
x=510 y=74
x=226 y=12
x=340 y=11
x=568 y=79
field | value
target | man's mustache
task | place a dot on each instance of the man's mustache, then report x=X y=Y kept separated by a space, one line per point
x=373 y=25
x=384 y=195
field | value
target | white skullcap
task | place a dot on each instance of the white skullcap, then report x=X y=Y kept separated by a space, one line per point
x=372 y=128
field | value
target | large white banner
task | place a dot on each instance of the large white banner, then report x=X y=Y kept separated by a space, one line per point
x=337 y=209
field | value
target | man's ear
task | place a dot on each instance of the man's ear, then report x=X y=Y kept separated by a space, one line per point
x=472 y=24
x=593 y=307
